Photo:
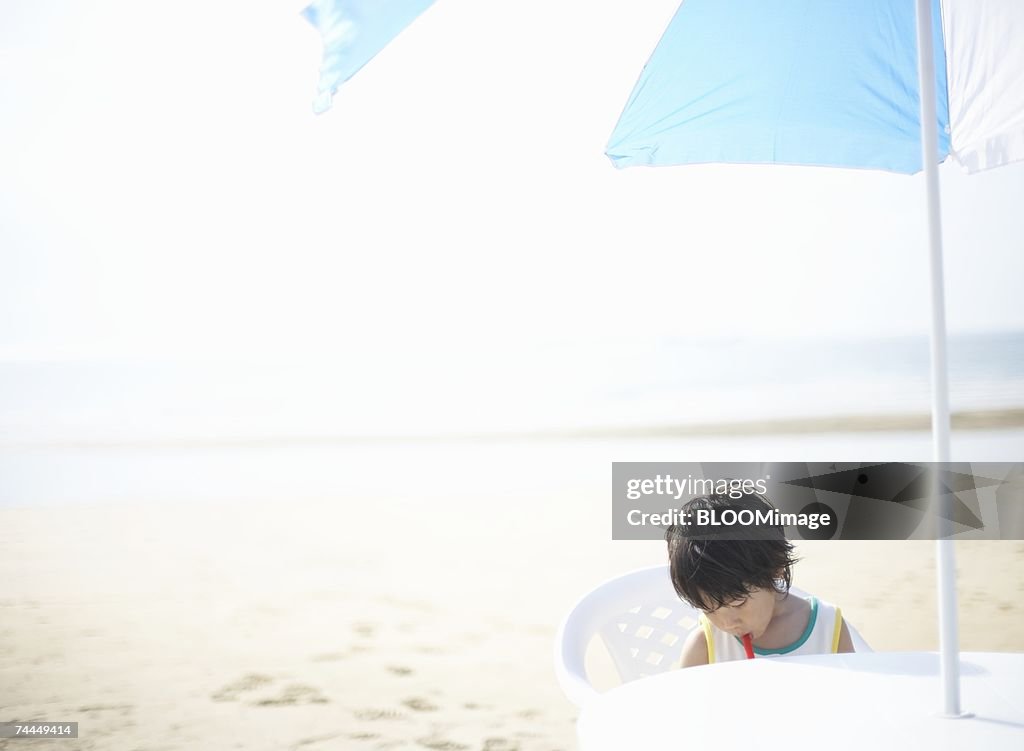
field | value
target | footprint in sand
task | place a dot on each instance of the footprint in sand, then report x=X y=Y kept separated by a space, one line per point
x=233 y=690
x=374 y=715
x=295 y=693
x=315 y=739
x=500 y=744
x=364 y=629
x=418 y=704
x=106 y=707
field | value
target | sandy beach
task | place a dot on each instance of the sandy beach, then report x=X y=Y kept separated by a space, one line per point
x=309 y=413
x=377 y=624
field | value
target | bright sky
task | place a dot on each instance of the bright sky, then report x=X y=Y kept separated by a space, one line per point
x=166 y=190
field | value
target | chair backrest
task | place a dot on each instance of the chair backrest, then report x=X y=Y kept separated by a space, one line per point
x=642 y=623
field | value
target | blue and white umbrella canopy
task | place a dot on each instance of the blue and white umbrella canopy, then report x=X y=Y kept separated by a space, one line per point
x=829 y=82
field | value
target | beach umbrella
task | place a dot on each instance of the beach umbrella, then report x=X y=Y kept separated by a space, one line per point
x=871 y=84
x=353 y=31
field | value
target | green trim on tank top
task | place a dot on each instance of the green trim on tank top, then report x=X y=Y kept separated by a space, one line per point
x=799 y=642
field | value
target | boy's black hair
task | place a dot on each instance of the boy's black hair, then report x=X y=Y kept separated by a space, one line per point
x=709 y=572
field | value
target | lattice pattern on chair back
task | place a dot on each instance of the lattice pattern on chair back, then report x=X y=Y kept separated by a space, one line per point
x=648 y=638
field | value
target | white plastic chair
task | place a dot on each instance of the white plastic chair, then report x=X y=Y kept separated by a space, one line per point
x=642 y=623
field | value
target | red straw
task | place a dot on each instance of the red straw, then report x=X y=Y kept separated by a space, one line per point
x=748 y=644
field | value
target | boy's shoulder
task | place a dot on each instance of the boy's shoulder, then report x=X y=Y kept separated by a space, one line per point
x=695 y=649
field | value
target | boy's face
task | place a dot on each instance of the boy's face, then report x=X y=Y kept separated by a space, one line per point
x=750 y=615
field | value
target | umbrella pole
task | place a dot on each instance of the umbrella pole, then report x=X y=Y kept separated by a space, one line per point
x=945 y=554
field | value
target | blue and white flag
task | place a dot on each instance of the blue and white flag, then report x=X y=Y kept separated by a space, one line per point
x=353 y=31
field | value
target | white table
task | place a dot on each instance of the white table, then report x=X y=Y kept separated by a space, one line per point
x=877 y=700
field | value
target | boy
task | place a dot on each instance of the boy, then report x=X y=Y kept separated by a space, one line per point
x=741 y=586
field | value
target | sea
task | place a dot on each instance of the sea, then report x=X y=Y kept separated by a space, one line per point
x=475 y=416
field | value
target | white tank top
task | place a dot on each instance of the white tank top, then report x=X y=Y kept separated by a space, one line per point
x=820 y=637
